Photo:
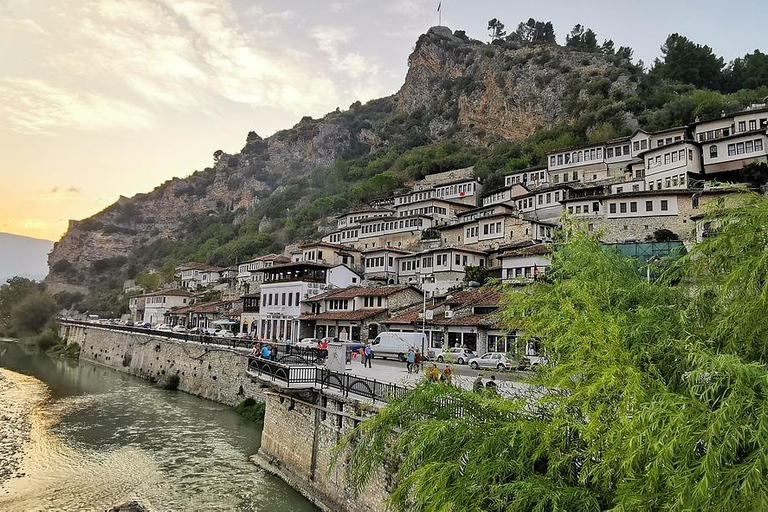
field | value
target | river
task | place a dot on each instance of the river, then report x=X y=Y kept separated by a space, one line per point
x=94 y=437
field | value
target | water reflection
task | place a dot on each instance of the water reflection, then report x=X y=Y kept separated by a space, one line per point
x=105 y=437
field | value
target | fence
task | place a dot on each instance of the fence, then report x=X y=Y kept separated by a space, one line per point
x=302 y=377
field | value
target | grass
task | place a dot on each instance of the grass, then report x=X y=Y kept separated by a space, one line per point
x=252 y=410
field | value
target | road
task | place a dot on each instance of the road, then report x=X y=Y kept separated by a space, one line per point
x=398 y=369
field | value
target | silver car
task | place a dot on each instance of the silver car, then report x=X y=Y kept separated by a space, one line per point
x=498 y=360
x=456 y=355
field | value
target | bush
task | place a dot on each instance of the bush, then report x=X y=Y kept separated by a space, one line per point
x=252 y=410
x=46 y=339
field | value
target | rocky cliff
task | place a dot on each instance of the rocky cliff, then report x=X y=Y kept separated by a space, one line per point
x=455 y=88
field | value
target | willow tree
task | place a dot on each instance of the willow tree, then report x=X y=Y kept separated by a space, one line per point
x=656 y=397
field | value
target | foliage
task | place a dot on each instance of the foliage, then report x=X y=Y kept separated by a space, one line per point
x=655 y=397
x=475 y=274
x=689 y=63
x=149 y=281
x=582 y=40
x=664 y=235
x=25 y=308
x=534 y=32
x=252 y=410
x=496 y=29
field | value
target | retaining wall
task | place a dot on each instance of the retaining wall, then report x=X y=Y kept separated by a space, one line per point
x=208 y=371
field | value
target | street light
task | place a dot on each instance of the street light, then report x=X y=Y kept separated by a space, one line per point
x=431 y=278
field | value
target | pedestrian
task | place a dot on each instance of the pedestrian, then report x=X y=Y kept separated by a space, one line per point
x=432 y=373
x=447 y=375
x=362 y=355
x=273 y=352
x=477 y=386
x=409 y=358
x=417 y=360
x=254 y=350
x=265 y=353
x=368 y=356
x=491 y=384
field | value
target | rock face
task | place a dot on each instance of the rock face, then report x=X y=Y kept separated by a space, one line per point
x=455 y=87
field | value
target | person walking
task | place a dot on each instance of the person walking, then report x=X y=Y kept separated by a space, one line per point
x=417 y=361
x=409 y=358
x=368 y=357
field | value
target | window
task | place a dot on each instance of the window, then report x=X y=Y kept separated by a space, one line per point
x=636 y=146
x=712 y=151
x=549 y=197
x=649 y=206
x=619 y=190
x=633 y=207
x=759 y=145
x=612 y=207
x=609 y=153
x=575 y=176
x=578 y=209
x=595 y=206
x=541 y=199
x=742 y=126
x=623 y=207
x=753 y=124
x=458 y=259
x=664 y=205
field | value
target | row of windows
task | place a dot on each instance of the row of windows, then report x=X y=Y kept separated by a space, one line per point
x=640 y=145
x=492 y=228
x=525 y=177
x=752 y=124
x=345 y=235
x=472 y=232
x=668 y=158
x=669 y=182
x=668 y=140
x=617 y=151
x=522 y=272
x=372 y=302
x=415 y=196
x=453 y=190
x=497 y=197
x=582 y=155
x=584 y=208
x=740 y=148
x=280 y=299
x=424 y=210
x=556 y=177
x=338 y=304
x=386 y=226
x=714 y=134
x=664 y=206
x=379 y=261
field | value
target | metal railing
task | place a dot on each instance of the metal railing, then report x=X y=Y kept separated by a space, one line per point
x=296 y=377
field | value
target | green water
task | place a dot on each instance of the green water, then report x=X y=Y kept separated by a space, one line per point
x=102 y=437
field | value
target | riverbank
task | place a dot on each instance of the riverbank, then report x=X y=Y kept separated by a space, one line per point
x=19 y=395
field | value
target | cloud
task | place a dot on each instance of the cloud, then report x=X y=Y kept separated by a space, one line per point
x=184 y=52
x=33 y=106
x=20 y=25
x=58 y=193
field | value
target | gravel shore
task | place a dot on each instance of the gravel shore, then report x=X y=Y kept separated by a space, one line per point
x=18 y=396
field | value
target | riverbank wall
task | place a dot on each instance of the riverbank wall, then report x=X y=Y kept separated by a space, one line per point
x=208 y=371
x=301 y=427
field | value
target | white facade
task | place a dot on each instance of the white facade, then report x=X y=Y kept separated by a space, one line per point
x=156 y=305
x=734 y=152
x=445 y=266
x=668 y=166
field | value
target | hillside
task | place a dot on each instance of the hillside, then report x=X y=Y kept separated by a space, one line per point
x=23 y=256
x=498 y=106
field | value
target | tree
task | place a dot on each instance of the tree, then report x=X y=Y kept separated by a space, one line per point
x=625 y=53
x=33 y=313
x=749 y=72
x=217 y=155
x=689 y=63
x=496 y=29
x=581 y=39
x=608 y=47
x=534 y=32
x=654 y=398
x=475 y=274
x=12 y=293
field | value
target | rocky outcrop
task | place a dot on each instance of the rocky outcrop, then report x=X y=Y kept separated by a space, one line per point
x=455 y=87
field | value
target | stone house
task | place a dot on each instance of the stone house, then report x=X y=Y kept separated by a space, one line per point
x=355 y=313
x=158 y=304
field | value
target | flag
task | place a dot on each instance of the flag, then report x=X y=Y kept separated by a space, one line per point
x=439 y=6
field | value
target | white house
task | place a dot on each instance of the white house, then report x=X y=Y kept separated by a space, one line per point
x=445 y=266
x=285 y=289
x=381 y=264
x=157 y=304
x=668 y=166
x=195 y=275
x=520 y=265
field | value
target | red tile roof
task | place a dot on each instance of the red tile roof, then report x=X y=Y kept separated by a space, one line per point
x=360 y=314
x=360 y=291
x=169 y=293
x=480 y=297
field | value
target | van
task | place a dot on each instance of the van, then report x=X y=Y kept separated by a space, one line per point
x=396 y=344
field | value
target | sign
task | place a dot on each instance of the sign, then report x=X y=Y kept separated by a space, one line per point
x=344 y=335
x=430 y=314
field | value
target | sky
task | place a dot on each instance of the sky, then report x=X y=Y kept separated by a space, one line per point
x=102 y=98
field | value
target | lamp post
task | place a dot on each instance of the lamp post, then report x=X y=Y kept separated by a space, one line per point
x=424 y=304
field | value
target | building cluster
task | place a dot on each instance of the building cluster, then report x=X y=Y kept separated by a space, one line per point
x=407 y=263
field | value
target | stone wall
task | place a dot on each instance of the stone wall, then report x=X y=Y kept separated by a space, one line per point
x=304 y=458
x=211 y=372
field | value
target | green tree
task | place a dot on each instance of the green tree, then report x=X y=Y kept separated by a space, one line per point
x=33 y=313
x=654 y=397
x=749 y=72
x=496 y=29
x=581 y=39
x=477 y=274
x=534 y=32
x=689 y=63
x=12 y=293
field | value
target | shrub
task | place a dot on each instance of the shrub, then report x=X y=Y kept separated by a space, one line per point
x=252 y=410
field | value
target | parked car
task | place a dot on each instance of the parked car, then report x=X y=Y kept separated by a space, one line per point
x=243 y=336
x=498 y=360
x=129 y=323
x=354 y=345
x=144 y=325
x=162 y=327
x=456 y=355
x=224 y=333
x=308 y=343
x=179 y=328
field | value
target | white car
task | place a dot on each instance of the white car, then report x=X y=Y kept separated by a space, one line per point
x=179 y=328
x=163 y=327
x=498 y=360
x=224 y=333
x=456 y=355
x=308 y=343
